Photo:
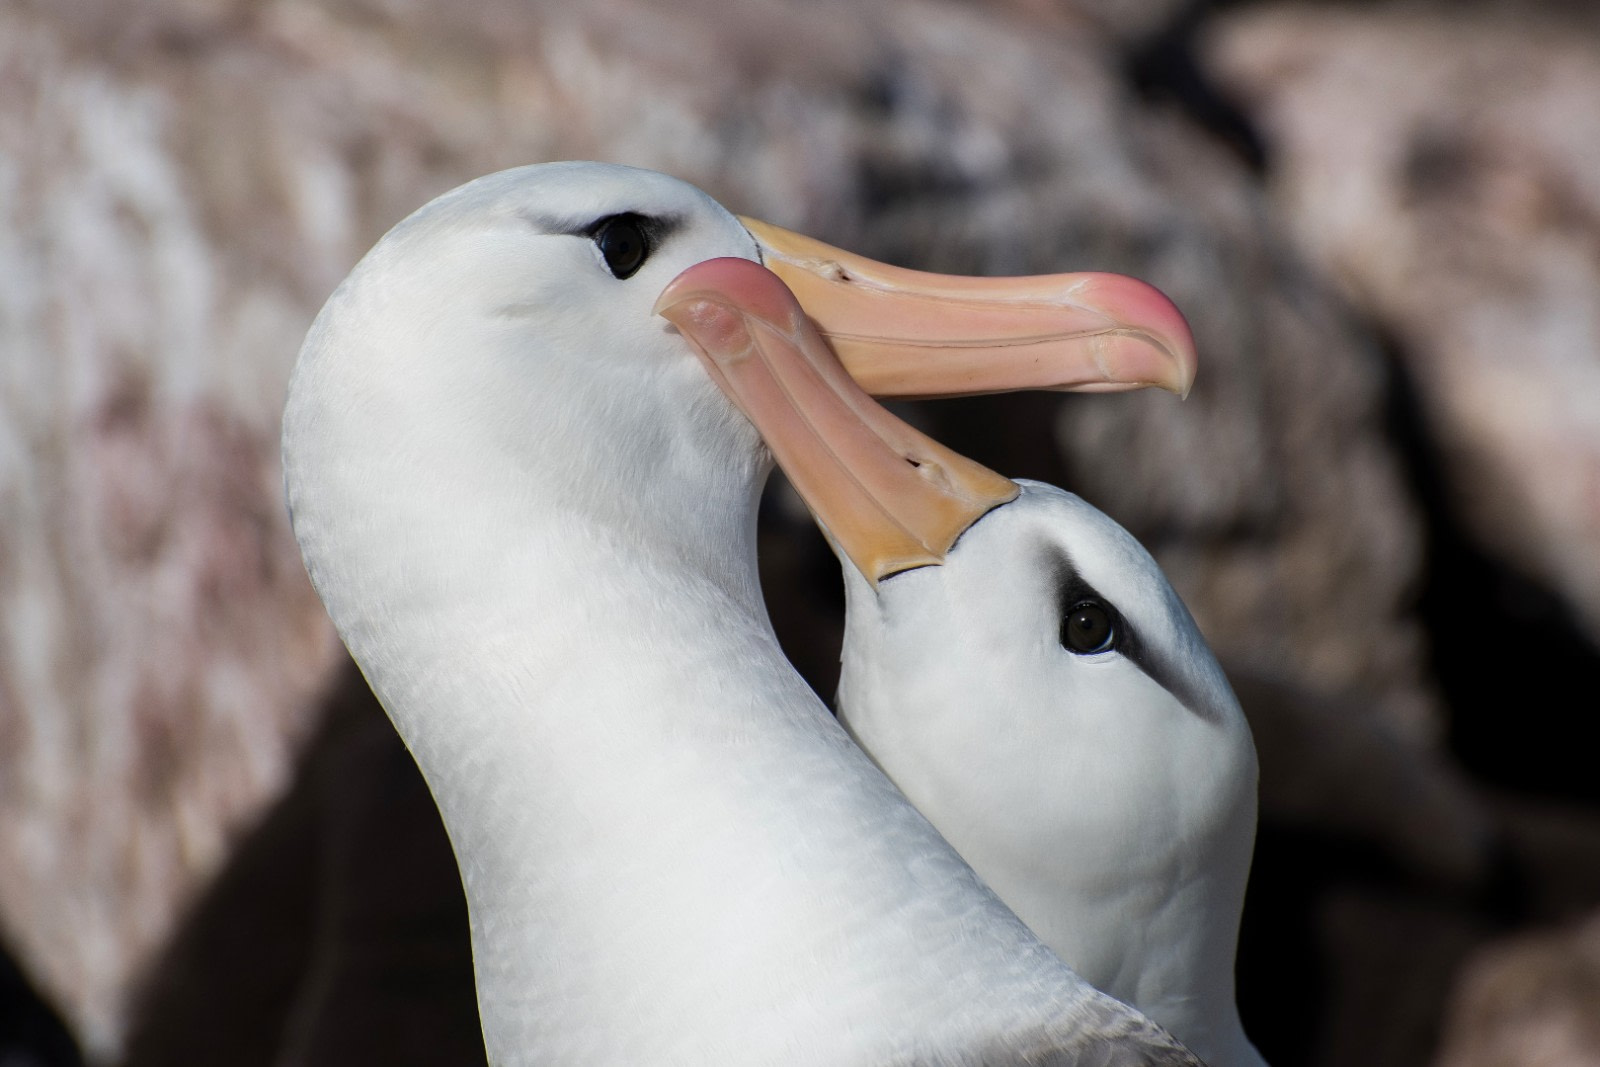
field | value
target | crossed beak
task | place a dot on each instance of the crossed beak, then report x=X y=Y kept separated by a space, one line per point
x=800 y=343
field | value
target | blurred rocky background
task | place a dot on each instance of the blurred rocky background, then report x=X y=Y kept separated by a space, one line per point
x=1382 y=500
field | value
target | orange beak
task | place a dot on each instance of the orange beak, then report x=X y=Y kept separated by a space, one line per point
x=890 y=497
x=907 y=333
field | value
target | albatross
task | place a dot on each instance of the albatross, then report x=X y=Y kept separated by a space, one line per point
x=1019 y=666
x=530 y=514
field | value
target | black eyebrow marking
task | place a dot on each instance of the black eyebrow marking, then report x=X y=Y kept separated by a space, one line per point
x=656 y=228
x=1072 y=589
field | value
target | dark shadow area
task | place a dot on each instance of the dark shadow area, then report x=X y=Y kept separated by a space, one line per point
x=1517 y=673
x=803 y=589
x=1163 y=68
x=31 y=1033
x=338 y=933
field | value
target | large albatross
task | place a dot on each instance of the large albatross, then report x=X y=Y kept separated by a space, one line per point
x=530 y=514
x=1019 y=666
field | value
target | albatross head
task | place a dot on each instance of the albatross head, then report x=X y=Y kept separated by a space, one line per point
x=499 y=346
x=1045 y=698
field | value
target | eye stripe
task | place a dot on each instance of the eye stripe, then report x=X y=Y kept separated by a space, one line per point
x=1072 y=589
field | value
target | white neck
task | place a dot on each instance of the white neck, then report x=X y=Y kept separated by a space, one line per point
x=671 y=852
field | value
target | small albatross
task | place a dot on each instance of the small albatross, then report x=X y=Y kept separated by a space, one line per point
x=1019 y=666
x=530 y=514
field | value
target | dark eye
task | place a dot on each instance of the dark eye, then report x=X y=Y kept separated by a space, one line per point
x=1087 y=629
x=623 y=242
